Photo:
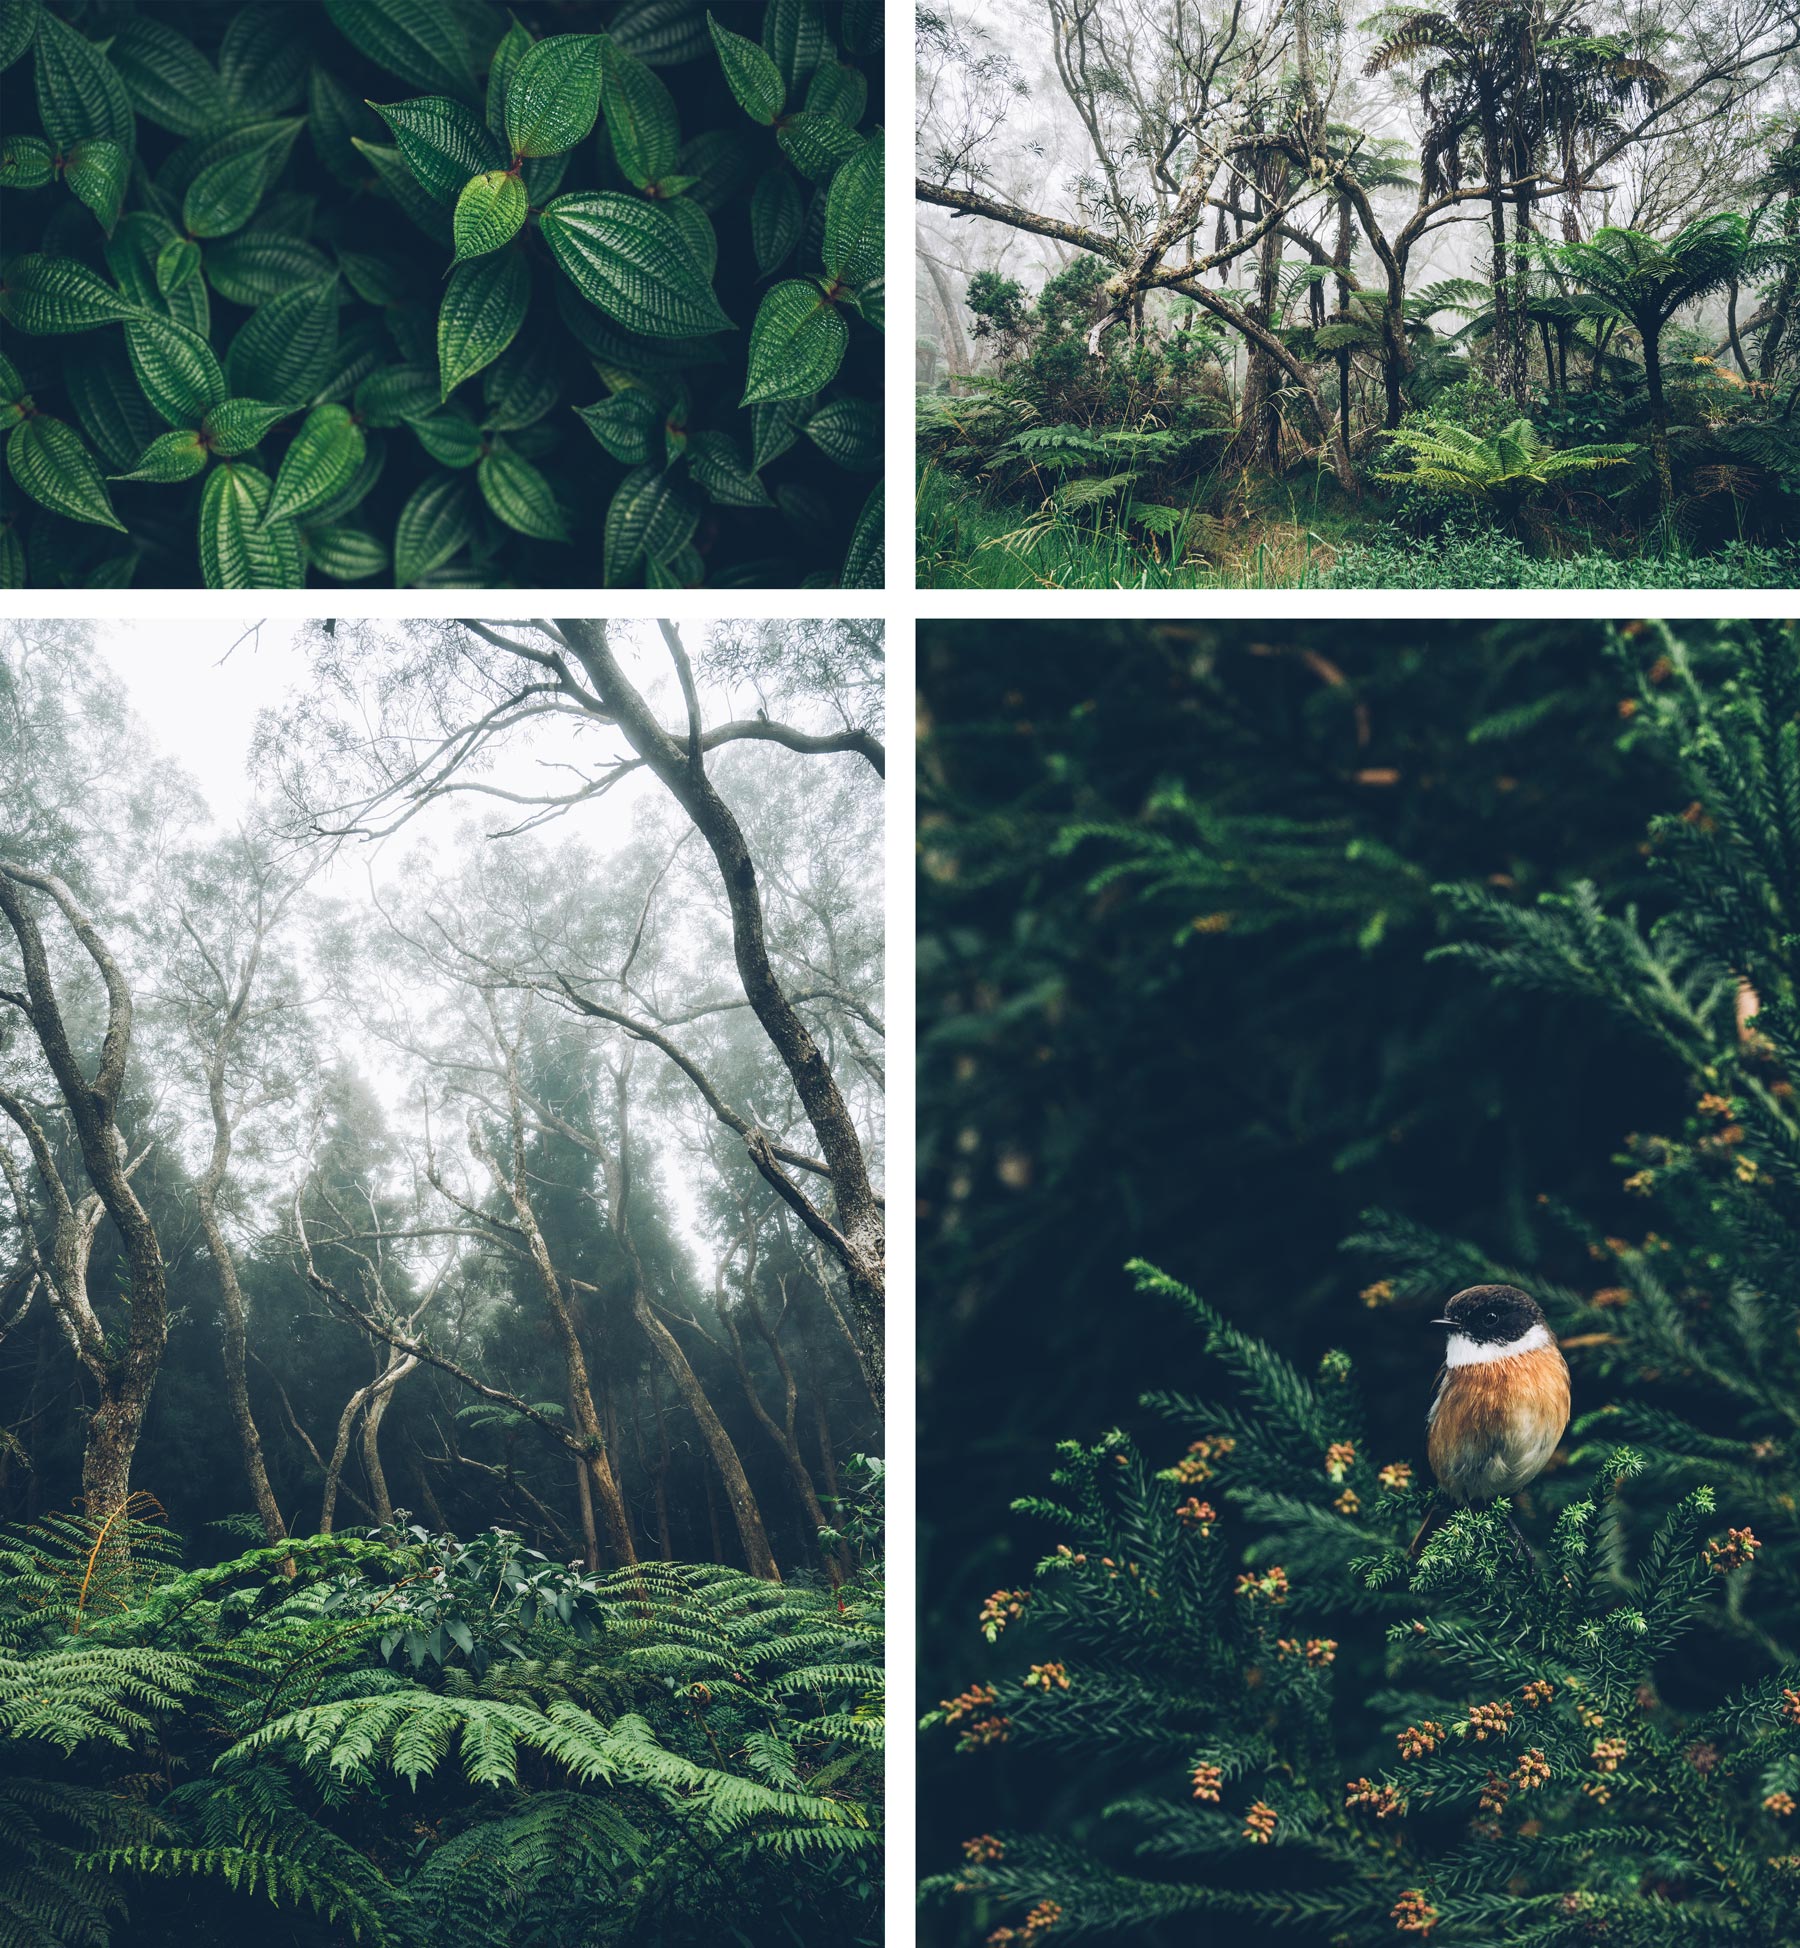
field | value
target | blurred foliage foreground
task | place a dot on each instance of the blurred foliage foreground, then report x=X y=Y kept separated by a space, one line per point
x=1264 y=1720
x=411 y=1738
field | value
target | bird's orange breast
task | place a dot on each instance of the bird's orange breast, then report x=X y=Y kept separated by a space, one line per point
x=1497 y=1422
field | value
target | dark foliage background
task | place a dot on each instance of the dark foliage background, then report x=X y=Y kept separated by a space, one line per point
x=1102 y=1074
x=714 y=492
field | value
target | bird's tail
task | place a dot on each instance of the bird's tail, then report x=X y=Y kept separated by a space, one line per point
x=1434 y=1515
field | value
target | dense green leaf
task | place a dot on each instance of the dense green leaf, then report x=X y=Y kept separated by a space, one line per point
x=794 y=34
x=346 y=554
x=133 y=254
x=335 y=120
x=796 y=344
x=852 y=249
x=450 y=437
x=625 y=424
x=18 y=24
x=79 y=93
x=717 y=465
x=26 y=162
x=169 y=80
x=177 y=265
x=50 y=463
x=405 y=188
x=554 y=96
x=662 y=32
x=284 y=349
x=263 y=58
x=12 y=549
x=865 y=560
x=236 y=549
x=837 y=90
x=433 y=525
x=397 y=394
x=817 y=144
x=176 y=369
x=177 y=455
x=775 y=428
x=324 y=457
x=114 y=414
x=651 y=516
x=12 y=386
x=236 y=425
x=751 y=74
x=632 y=260
x=489 y=212
x=776 y=215
x=419 y=40
x=444 y=142
x=257 y=265
x=515 y=44
x=640 y=117
x=848 y=431
x=96 y=172
x=47 y=295
x=520 y=495
x=484 y=305
x=224 y=195
x=518 y=389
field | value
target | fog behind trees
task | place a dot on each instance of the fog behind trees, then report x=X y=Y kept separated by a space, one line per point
x=481 y=1120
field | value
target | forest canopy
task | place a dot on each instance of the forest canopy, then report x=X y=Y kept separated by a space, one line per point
x=1202 y=283
x=441 y=1278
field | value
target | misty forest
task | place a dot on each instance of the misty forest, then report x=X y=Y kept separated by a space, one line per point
x=441 y=1284
x=1500 y=293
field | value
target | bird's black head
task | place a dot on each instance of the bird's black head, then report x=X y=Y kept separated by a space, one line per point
x=1492 y=1315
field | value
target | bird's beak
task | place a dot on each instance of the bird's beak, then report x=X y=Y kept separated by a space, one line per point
x=1440 y=1322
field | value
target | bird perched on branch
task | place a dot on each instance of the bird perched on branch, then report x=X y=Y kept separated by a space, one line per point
x=1501 y=1404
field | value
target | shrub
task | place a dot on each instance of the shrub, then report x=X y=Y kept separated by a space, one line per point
x=324 y=291
x=1488 y=560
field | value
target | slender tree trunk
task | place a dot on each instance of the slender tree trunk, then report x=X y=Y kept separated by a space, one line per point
x=1659 y=419
x=233 y=1340
x=1507 y=375
x=371 y=1454
x=660 y=1474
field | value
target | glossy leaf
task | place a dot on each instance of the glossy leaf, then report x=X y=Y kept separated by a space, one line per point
x=405 y=188
x=96 y=172
x=177 y=265
x=397 y=394
x=520 y=495
x=321 y=462
x=257 y=265
x=225 y=194
x=435 y=522
x=633 y=261
x=750 y=73
x=553 y=98
x=796 y=344
x=236 y=549
x=115 y=416
x=794 y=34
x=169 y=81
x=18 y=23
x=236 y=425
x=838 y=91
x=640 y=117
x=175 y=368
x=718 y=467
x=263 y=58
x=419 y=40
x=776 y=214
x=852 y=248
x=849 y=432
x=484 y=306
x=79 y=93
x=26 y=162
x=449 y=437
x=49 y=295
x=49 y=462
x=346 y=554
x=443 y=142
x=625 y=424
x=817 y=145
x=178 y=455
x=489 y=212
x=285 y=348
x=651 y=517
x=775 y=429
x=515 y=44
x=865 y=561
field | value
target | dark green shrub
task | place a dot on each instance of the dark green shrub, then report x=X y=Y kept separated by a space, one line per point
x=428 y=291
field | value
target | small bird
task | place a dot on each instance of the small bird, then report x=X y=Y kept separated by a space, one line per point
x=1502 y=1399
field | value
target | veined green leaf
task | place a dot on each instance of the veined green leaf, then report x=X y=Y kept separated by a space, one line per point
x=853 y=217
x=520 y=495
x=18 y=23
x=640 y=116
x=837 y=90
x=554 y=96
x=114 y=414
x=176 y=369
x=776 y=214
x=257 y=265
x=263 y=58
x=865 y=560
x=79 y=92
x=443 y=141
x=236 y=549
x=284 y=349
x=359 y=489
x=869 y=302
x=26 y=162
x=450 y=437
x=345 y=554
x=848 y=431
x=170 y=82
x=489 y=212
x=396 y=394
x=817 y=144
x=335 y=118
x=794 y=34
x=132 y=254
x=651 y=516
x=12 y=557
x=322 y=461
x=796 y=344
x=47 y=295
x=626 y=424
x=433 y=525
x=633 y=261
x=718 y=467
x=224 y=194
x=405 y=188
x=12 y=387
x=378 y=280
x=177 y=265
x=484 y=306
x=750 y=73
x=50 y=463
x=775 y=427
x=519 y=388
x=696 y=227
x=419 y=40
x=662 y=32
x=236 y=425
x=515 y=44
x=170 y=456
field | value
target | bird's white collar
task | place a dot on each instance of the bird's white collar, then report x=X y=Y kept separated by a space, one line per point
x=1464 y=1351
